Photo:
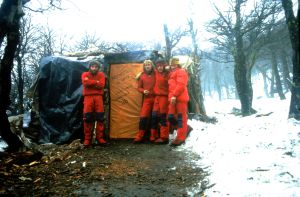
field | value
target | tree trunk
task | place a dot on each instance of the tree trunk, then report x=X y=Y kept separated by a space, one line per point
x=10 y=15
x=264 y=75
x=20 y=86
x=218 y=85
x=276 y=75
x=240 y=76
x=195 y=81
x=227 y=89
x=193 y=104
x=285 y=71
x=272 y=89
x=293 y=26
x=240 y=70
x=168 y=43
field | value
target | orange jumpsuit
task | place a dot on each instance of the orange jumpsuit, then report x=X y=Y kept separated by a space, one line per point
x=93 y=109
x=160 y=108
x=146 y=82
x=177 y=114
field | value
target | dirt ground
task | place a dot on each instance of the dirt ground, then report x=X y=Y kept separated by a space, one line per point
x=120 y=168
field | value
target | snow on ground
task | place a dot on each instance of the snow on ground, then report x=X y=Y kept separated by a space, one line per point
x=2 y=145
x=249 y=156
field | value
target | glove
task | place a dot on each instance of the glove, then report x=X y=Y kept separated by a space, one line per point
x=137 y=77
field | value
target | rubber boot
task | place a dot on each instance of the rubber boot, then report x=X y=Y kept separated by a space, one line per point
x=182 y=131
x=162 y=141
x=189 y=130
x=153 y=135
x=139 y=136
x=88 y=126
x=164 y=135
x=180 y=138
x=100 y=134
x=100 y=139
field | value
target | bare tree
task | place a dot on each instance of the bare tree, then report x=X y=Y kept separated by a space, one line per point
x=11 y=12
x=242 y=39
x=88 y=41
x=218 y=73
x=293 y=26
x=19 y=74
x=284 y=56
x=120 y=47
x=276 y=73
x=63 y=44
x=172 y=39
x=46 y=42
x=195 y=90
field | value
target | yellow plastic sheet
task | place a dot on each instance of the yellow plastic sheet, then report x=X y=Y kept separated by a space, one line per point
x=125 y=100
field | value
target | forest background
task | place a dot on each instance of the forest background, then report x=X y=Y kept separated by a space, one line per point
x=242 y=40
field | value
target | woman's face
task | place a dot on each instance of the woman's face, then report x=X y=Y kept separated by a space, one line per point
x=160 y=68
x=148 y=67
x=173 y=66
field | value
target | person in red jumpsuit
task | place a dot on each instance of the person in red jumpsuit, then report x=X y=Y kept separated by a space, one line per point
x=178 y=99
x=93 y=111
x=145 y=86
x=160 y=108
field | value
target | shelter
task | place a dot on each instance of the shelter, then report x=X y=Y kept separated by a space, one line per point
x=59 y=95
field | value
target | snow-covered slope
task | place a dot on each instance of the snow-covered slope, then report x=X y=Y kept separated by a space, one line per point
x=249 y=156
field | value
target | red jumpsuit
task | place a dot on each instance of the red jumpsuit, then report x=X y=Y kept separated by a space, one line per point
x=93 y=109
x=177 y=114
x=160 y=108
x=146 y=82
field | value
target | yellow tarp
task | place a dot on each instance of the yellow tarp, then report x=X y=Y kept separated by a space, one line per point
x=125 y=100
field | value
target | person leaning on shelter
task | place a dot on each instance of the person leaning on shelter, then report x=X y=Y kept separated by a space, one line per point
x=160 y=107
x=93 y=110
x=145 y=86
x=178 y=99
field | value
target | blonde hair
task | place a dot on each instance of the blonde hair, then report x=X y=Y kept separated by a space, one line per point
x=174 y=61
x=148 y=62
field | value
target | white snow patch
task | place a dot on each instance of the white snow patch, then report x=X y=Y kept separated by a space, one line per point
x=249 y=156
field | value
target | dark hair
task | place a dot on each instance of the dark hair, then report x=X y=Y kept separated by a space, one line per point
x=94 y=62
x=160 y=60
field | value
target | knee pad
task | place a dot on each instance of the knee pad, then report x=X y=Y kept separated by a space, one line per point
x=172 y=120
x=154 y=119
x=143 y=123
x=163 y=119
x=88 y=117
x=99 y=116
x=179 y=119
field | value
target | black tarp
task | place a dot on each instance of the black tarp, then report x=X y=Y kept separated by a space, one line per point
x=60 y=93
x=59 y=88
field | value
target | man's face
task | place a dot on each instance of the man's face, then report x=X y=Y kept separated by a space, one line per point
x=148 y=67
x=94 y=69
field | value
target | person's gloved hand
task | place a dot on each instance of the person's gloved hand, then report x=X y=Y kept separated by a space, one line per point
x=173 y=100
x=137 y=77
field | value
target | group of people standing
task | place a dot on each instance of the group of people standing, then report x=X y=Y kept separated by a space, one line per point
x=165 y=98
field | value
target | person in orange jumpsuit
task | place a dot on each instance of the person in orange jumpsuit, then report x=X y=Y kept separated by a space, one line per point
x=178 y=99
x=93 y=110
x=145 y=86
x=160 y=108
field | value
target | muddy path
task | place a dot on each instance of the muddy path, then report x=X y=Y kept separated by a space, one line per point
x=120 y=168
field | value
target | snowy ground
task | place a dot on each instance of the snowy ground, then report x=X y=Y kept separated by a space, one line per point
x=249 y=156
x=2 y=145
